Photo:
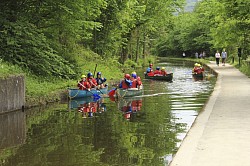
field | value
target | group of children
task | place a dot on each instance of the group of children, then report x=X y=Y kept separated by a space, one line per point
x=132 y=81
x=89 y=82
x=129 y=81
x=158 y=72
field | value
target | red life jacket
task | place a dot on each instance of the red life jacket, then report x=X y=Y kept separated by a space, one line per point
x=83 y=85
x=157 y=72
x=92 y=82
x=164 y=73
x=139 y=83
x=134 y=83
x=151 y=74
x=195 y=69
x=124 y=85
x=198 y=70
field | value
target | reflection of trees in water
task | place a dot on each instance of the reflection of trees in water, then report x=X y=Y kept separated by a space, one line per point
x=60 y=137
x=161 y=129
x=142 y=141
x=57 y=137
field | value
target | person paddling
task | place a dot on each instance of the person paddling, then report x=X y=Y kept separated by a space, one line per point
x=91 y=80
x=150 y=71
x=157 y=72
x=198 y=69
x=100 y=80
x=126 y=82
x=195 y=68
x=136 y=81
x=163 y=71
x=83 y=84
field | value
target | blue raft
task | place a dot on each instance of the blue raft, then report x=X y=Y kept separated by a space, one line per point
x=77 y=93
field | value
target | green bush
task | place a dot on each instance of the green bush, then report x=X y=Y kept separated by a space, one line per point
x=23 y=45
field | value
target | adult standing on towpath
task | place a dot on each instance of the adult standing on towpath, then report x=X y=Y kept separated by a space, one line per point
x=220 y=134
x=217 y=58
x=223 y=57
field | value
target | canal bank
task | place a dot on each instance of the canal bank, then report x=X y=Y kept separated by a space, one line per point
x=221 y=132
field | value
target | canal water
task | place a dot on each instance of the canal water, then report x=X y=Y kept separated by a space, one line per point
x=142 y=130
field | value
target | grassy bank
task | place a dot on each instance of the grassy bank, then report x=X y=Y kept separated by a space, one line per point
x=41 y=90
x=243 y=65
x=201 y=61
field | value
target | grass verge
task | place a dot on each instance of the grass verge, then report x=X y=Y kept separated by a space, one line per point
x=40 y=90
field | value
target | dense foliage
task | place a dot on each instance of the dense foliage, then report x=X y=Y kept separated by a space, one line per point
x=214 y=24
x=47 y=37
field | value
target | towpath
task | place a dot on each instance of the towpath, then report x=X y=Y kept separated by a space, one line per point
x=220 y=135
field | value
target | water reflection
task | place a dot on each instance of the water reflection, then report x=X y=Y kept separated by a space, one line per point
x=129 y=106
x=12 y=129
x=88 y=106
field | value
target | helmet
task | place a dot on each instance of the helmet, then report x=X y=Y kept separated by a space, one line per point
x=99 y=73
x=196 y=64
x=133 y=72
x=151 y=64
x=127 y=76
x=133 y=75
x=90 y=74
x=83 y=76
x=163 y=68
x=157 y=68
x=199 y=65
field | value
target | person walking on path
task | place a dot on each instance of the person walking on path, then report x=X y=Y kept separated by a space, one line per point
x=223 y=57
x=217 y=58
x=183 y=55
x=196 y=55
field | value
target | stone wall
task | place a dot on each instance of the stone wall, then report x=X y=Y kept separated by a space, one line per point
x=12 y=93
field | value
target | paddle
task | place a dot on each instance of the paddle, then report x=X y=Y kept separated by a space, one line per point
x=95 y=69
x=100 y=91
x=112 y=92
x=94 y=95
x=96 y=88
x=94 y=75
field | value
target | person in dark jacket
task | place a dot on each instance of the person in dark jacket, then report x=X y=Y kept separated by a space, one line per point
x=100 y=80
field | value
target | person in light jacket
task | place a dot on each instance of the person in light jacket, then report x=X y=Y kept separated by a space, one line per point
x=217 y=58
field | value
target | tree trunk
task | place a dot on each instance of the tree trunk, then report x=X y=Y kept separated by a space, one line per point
x=144 y=46
x=137 y=46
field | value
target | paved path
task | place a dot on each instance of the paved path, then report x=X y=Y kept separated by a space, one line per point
x=220 y=135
